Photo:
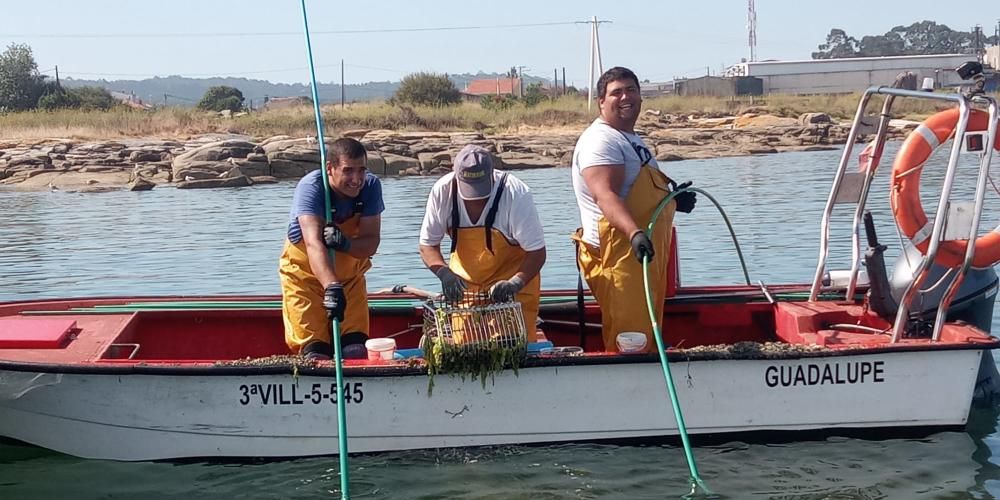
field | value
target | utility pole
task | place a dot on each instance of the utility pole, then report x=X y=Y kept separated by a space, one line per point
x=977 y=42
x=555 y=83
x=595 y=56
x=564 y=79
x=520 y=81
x=57 y=75
x=164 y=99
x=343 y=94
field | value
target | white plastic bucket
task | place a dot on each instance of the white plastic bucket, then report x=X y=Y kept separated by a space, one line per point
x=629 y=342
x=380 y=349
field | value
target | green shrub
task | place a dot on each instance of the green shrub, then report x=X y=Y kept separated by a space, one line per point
x=533 y=95
x=93 y=98
x=58 y=100
x=497 y=102
x=427 y=89
x=85 y=98
x=222 y=97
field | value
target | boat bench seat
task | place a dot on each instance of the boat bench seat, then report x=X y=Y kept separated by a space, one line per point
x=829 y=324
x=35 y=333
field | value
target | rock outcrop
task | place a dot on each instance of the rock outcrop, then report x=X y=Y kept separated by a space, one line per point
x=236 y=161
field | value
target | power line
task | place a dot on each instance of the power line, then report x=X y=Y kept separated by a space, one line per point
x=375 y=68
x=235 y=74
x=285 y=33
x=225 y=74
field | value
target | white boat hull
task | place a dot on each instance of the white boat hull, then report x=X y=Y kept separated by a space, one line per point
x=145 y=417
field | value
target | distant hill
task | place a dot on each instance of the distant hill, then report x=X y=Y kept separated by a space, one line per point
x=183 y=91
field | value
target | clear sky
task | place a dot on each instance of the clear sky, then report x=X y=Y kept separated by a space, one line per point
x=118 y=39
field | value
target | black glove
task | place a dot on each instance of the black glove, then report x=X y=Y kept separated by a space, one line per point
x=335 y=238
x=452 y=285
x=686 y=200
x=505 y=290
x=335 y=301
x=641 y=246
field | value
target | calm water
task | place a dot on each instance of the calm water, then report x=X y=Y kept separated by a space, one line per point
x=170 y=241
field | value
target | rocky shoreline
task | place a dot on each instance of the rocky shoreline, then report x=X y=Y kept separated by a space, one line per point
x=214 y=160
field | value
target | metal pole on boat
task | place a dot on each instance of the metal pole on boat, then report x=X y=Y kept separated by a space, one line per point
x=345 y=483
x=824 y=237
x=940 y=215
x=970 y=248
x=859 y=209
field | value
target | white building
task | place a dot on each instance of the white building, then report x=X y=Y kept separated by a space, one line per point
x=831 y=76
x=993 y=57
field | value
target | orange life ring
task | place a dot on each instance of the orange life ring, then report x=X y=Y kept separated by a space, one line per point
x=905 y=194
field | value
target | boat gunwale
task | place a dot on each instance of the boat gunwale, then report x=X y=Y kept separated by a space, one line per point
x=203 y=368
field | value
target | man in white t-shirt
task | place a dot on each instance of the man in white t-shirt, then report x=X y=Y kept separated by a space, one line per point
x=618 y=186
x=497 y=243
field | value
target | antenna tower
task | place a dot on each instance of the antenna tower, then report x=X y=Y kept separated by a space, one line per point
x=752 y=29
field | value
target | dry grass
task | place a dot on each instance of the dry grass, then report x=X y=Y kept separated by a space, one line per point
x=565 y=111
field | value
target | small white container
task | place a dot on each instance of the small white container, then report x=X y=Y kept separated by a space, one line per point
x=631 y=342
x=378 y=349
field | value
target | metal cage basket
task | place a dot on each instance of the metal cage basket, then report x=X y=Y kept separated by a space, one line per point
x=475 y=322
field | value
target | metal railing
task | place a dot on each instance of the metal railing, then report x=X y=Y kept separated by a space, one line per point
x=860 y=198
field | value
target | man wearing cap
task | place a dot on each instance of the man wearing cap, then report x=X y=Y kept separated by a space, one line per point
x=618 y=186
x=497 y=243
x=314 y=289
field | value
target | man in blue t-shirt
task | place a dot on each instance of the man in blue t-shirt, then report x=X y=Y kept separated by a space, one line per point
x=314 y=289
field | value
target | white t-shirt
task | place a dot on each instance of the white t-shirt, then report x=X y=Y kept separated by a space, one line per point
x=516 y=216
x=602 y=144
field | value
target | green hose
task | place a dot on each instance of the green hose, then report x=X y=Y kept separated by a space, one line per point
x=696 y=481
x=732 y=232
x=338 y=362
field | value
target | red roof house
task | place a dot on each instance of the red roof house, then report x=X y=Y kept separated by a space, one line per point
x=493 y=86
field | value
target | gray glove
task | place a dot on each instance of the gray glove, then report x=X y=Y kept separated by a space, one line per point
x=504 y=290
x=642 y=247
x=452 y=285
x=335 y=238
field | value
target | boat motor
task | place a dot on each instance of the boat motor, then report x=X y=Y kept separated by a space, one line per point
x=973 y=303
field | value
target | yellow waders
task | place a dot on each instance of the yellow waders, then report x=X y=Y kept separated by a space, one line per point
x=482 y=256
x=480 y=269
x=615 y=275
x=302 y=296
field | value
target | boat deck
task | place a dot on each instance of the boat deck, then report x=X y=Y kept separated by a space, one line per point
x=209 y=331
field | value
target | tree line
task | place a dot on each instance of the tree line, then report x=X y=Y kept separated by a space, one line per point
x=924 y=37
x=23 y=88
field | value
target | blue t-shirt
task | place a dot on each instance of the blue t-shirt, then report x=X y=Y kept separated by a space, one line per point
x=309 y=200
